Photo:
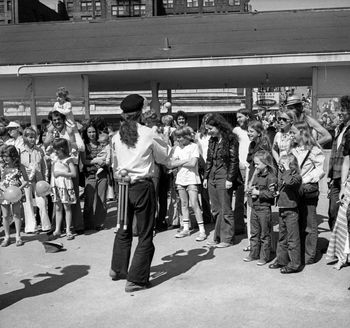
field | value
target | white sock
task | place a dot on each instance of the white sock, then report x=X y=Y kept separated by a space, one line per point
x=186 y=225
x=201 y=227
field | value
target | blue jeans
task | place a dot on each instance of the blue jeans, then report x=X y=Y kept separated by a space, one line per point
x=260 y=238
x=220 y=199
x=288 y=248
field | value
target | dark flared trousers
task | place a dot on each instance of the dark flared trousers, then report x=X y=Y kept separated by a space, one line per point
x=142 y=202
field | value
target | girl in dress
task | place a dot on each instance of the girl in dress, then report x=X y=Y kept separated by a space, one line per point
x=63 y=170
x=12 y=174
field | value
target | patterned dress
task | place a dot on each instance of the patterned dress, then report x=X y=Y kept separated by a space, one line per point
x=10 y=177
x=339 y=247
x=62 y=187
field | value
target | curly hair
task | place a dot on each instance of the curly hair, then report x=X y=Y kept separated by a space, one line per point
x=12 y=153
x=180 y=113
x=128 y=128
x=221 y=124
x=62 y=92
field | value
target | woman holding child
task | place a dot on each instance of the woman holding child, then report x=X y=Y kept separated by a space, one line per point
x=95 y=160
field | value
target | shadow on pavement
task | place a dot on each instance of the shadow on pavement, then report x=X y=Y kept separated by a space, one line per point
x=178 y=263
x=49 y=285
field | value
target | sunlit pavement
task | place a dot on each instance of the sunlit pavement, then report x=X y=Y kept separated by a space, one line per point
x=193 y=286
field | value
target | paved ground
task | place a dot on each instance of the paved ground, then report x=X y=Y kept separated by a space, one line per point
x=193 y=286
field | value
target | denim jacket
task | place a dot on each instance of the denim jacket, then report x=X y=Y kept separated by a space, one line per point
x=223 y=161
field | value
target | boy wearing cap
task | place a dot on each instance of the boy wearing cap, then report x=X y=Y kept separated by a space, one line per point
x=135 y=149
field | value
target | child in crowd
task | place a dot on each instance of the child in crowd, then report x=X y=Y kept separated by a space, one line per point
x=64 y=106
x=185 y=158
x=262 y=195
x=288 y=248
x=33 y=159
x=105 y=153
x=12 y=174
x=63 y=170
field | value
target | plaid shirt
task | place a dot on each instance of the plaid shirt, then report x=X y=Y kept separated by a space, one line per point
x=336 y=159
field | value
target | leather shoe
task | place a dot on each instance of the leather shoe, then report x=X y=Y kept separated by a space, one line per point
x=131 y=287
x=275 y=265
x=116 y=276
x=286 y=270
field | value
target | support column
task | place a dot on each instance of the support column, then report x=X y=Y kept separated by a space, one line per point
x=249 y=98
x=86 y=96
x=314 y=91
x=155 y=104
x=33 y=117
x=1 y=108
x=169 y=99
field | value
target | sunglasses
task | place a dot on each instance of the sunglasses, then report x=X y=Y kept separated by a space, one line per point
x=283 y=119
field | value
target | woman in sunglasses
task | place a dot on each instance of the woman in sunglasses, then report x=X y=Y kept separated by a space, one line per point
x=282 y=140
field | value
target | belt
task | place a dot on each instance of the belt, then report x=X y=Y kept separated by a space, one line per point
x=141 y=180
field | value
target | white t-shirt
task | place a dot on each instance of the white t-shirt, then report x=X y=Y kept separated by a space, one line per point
x=244 y=143
x=187 y=175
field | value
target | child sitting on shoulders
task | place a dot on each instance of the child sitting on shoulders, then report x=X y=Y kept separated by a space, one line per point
x=64 y=106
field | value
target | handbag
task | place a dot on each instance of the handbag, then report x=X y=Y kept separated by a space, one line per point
x=311 y=189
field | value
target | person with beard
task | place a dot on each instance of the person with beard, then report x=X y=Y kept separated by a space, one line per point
x=136 y=148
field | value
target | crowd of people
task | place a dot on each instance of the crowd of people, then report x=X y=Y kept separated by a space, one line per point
x=230 y=176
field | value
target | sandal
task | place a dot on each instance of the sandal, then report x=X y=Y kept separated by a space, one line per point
x=6 y=242
x=247 y=249
x=19 y=242
x=70 y=236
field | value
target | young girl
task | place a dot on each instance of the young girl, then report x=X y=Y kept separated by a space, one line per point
x=288 y=248
x=185 y=158
x=33 y=159
x=262 y=195
x=63 y=170
x=12 y=174
x=64 y=106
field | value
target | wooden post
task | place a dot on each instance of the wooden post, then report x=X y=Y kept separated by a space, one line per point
x=86 y=95
x=169 y=99
x=33 y=117
x=155 y=104
x=249 y=98
x=314 y=91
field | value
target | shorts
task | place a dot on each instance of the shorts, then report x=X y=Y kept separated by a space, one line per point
x=191 y=187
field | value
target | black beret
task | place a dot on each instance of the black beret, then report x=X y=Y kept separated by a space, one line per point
x=132 y=103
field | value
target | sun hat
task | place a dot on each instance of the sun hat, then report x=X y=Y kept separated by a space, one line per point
x=293 y=100
x=13 y=125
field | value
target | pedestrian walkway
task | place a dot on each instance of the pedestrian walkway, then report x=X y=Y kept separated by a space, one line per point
x=193 y=286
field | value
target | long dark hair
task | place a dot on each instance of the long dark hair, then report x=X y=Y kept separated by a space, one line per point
x=225 y=128
x=128 y=128
x=87 y=125
x=11 y=151
x=263 y=140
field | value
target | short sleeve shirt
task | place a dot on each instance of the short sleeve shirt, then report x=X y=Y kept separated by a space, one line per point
x=187 y=175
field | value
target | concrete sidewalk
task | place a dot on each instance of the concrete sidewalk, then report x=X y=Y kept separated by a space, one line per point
x=193 y=286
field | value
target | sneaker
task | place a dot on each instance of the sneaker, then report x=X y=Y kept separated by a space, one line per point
x=261 y=262
x=212 y=243
x=183 y=233
x=223 y=245
x=202 y=236
x=131 y=287
x=248 y=259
